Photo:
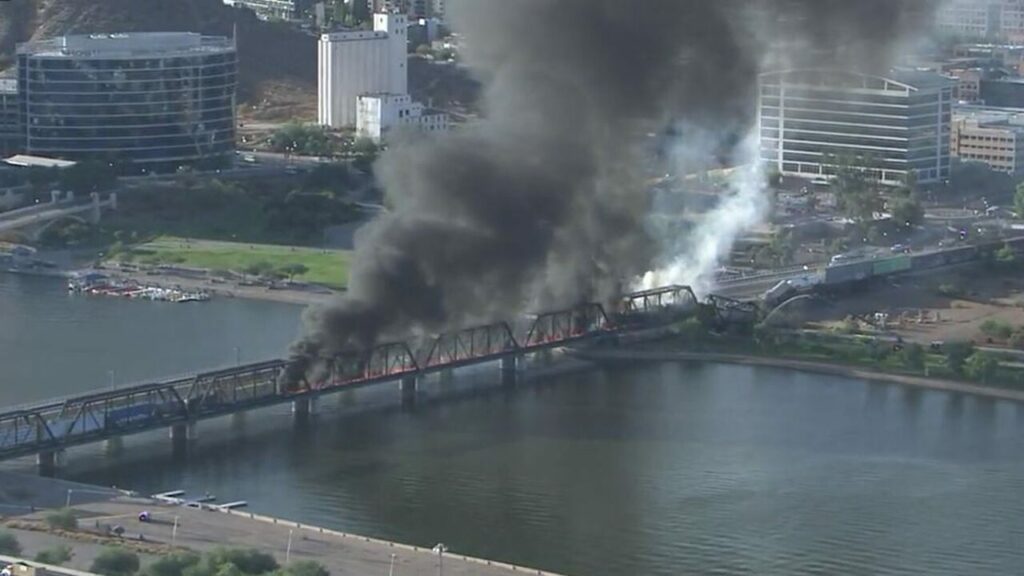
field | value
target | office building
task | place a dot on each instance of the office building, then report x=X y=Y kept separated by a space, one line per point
x=145 y=101
x=273 y=9
x=380 y=114
x=898 y=123
x=991 y=136
x=10 y=128
x=354 y=63
x=982 y=19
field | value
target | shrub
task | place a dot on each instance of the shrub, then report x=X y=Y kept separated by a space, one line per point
x=306 y=568
x=63 y=519
x=998 y=329
x=173 y=564
x=114 y=561
x=913 y=356
x=1017 y=338
x=9 y=544
x=957 y=354
x=56 y=556
x=981 y=366
x=248 y=561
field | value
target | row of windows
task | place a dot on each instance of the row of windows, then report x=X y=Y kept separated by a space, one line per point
x=86 y=85
x=72 y=64
x=99 y=147
x=77 y=145
x=37 y=112
x=76 y=103
x=117 y=133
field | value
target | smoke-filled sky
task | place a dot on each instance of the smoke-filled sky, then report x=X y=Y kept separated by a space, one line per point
x=542 y=201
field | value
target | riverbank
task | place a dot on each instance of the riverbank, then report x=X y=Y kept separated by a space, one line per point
x=635 y=354
x=177 y=527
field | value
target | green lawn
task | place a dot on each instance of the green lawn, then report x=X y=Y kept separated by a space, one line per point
x=327 y=267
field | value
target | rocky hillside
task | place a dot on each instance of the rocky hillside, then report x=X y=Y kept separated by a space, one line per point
x=273 y=58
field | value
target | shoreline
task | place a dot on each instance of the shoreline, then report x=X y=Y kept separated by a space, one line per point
x=807 y=366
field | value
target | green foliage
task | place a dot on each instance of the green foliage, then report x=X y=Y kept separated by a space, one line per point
x=67 y=233
x=907 y=210
x=88 y=176
x=913 y=356
x=261 y=268
x=305 y=139
x=1018 y=200
x=856 y=187
x=63 y=519
x=305 y=568
x=249 y=561
x=957 y=354
x=999 y=329
x=1005 y=257
x=55 y=556
x=981 y=366
x=115 y=561
x=173 y=564
x=691 y=331
x=9 y=544
x=1017 y=338
x=951 y=290
x=293 y=270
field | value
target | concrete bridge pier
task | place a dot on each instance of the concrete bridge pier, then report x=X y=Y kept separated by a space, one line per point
x=510 y=369
x=48 y=461
x=114 y=445
x=182 y=434
x=407 y=387
x=304 y=407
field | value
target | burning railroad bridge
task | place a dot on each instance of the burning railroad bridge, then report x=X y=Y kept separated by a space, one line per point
x=46 y=429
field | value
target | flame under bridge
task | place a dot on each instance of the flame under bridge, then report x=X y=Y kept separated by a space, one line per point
x=47 y=428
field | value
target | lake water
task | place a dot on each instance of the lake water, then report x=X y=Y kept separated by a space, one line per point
x=661 y=468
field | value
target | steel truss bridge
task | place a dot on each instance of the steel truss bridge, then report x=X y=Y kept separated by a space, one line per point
x=47 y=428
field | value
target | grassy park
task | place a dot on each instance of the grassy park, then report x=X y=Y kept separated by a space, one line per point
x=316 y=265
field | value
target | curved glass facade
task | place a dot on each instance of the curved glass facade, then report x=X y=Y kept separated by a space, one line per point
x=144 y=101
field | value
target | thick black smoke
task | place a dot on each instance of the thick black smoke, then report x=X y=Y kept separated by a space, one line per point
x=542 y=201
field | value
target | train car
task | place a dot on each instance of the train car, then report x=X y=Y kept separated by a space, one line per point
x=893 y=265
x=852 y=272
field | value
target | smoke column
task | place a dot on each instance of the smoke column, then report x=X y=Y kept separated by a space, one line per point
x=542 y=202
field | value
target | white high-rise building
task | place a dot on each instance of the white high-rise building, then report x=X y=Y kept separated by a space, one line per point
x=379 y=114
x=351 y=64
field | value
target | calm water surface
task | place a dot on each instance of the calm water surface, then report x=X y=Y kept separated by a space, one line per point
x=651 y=469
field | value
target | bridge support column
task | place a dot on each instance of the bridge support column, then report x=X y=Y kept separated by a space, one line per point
x=447 y=376
x=304 y=407
x=182 y=434
x=114 y=445
x=408 y=389
x=48 y=461
x=510 y=370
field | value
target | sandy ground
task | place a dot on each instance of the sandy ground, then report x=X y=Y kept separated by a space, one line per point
x=202 y=530
x=918 y=312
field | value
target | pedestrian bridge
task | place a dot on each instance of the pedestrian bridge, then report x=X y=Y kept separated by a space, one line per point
x=47 y=428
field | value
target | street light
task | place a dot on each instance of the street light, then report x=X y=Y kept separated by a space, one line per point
x=288 y=550
x=67 y=501
x=391 y=570
x=440 y=549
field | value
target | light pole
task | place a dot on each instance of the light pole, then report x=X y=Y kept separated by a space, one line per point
x=238 y=356
x=67 y=501
x=440 y=549
x=174 y=533
x=288 y=550
x=110 y=373
x=391 y=570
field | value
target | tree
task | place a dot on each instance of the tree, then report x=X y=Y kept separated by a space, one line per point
x=1005 y=257
x=913 y=356
x=261 y=268
x=62 y=520
x=88 y=176
x=306 y=568
x=173 y=564
x=424 y=50
x=293 y=270
x=855 y=186
x=249 y=561
x=981 y=366
x=55 y=556
x=9 y=544
x=997 y=329
x=297 y=138
x=907 y=211
x=957 y=354
x=1018 y=201
x=115 y=561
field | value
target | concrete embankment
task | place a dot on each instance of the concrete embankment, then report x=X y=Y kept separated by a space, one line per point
x=640 y=354
x=200 y=530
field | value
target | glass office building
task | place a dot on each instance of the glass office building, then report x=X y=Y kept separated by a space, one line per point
x=898 y=124
x=144 y=101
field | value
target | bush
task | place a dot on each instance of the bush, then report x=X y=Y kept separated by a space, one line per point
x=913 y=356
x=114 y=561
x=997 y=329
x=248 y=561
x=56 y=556
x=1017 y=338
x=957 y=354
x=951 y=290
x=173 y=564
x=306 y=568
x=62 y=520
x=9 y=544
x=981 y=366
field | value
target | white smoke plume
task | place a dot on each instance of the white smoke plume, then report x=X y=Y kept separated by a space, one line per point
x=697 y=254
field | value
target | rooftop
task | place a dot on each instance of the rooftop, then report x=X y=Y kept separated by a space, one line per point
x=126 y=44
x=26 y=161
